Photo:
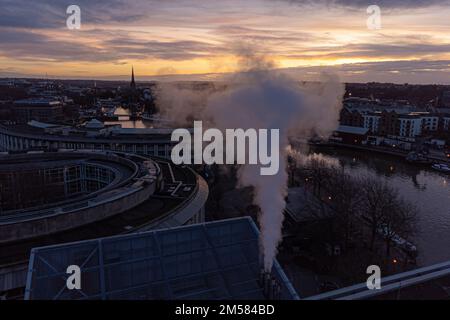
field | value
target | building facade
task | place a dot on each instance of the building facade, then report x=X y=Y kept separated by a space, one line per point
x=396 y=122
x=145 y=142
x=45 y=110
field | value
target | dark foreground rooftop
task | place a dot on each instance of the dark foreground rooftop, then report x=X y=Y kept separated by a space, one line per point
x=216 y=260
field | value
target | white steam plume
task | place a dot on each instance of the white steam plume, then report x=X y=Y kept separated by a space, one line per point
x=267 y=99
x=264 y=98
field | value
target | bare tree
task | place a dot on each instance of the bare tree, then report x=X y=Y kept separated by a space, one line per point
x=401 y=221
x=318 y=173
x=379 y=200
x=354 y=206
x=345 y=199
x=339 y=197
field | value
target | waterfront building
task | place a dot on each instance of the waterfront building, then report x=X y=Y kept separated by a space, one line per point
x=46 y=136
x=350 y=135
x=409 y=126
x=430 y=122
x=46 y=110
x=349 y=117
x=394 y=121
x=445 y=124
x=444 y=100
x=372 y=122
x=389 y=123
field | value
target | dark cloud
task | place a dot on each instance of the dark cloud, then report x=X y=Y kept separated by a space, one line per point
x=390 y=3
x=29 y=45
x=266 y=35
x=406 y=4
x=412 y=66
x=374 y=50
x=412 y=71
x=52 y=13
x=170 y=50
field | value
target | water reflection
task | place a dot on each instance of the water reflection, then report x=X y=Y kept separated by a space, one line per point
x=428 y=189
x=123 y=116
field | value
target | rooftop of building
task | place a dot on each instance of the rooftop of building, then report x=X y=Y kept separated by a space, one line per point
x=64 y=132
x=125 y=171
x=37 y=102
x=216 y=260
x=352 y=130
x=181 y=194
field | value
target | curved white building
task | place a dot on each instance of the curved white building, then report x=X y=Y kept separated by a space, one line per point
x=92 y=136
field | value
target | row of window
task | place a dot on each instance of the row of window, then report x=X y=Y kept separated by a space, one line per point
x=30 y=188
x=15 y=143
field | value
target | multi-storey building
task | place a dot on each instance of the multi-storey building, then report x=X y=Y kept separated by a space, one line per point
x=351 y=118
x=389 y=124
x=444 y=124
x=46 y=110
x=93 y=136
x=393 y=121
x=409 y=126
x=372 y=122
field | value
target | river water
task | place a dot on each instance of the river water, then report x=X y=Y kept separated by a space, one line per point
x=124 y=120
x=427 y=189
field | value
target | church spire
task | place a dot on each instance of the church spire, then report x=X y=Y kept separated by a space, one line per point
x=133 y=83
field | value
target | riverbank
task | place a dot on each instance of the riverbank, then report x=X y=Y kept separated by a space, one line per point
x=423 y=186
x=382 y=150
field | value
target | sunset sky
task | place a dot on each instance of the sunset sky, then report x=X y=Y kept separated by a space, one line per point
x=201 y=39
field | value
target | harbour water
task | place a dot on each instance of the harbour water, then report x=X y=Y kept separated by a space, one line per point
x=427 y=189
x=124 y=120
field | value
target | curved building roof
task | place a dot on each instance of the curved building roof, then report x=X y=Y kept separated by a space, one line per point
x=144 y=194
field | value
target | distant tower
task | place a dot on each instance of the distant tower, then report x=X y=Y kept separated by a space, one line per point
x=95 y=93
x=133 y=83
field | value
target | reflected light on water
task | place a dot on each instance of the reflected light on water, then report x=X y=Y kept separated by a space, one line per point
x=429 y=190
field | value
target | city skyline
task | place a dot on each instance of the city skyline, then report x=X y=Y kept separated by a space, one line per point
x=195 y=40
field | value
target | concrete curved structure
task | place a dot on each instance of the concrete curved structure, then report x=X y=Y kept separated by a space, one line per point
x=71 y=189
x=92 y=194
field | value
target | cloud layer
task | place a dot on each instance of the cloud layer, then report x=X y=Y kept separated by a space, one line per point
x=201 y=37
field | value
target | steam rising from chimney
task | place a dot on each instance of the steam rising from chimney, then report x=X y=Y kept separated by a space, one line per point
x=261 y=97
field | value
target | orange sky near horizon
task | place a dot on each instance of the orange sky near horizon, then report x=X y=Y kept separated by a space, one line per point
x=165 y=38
